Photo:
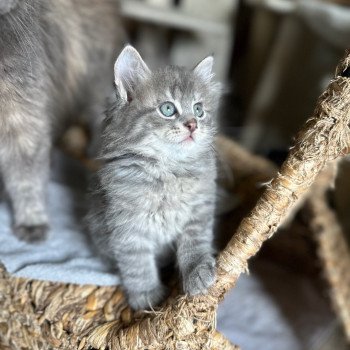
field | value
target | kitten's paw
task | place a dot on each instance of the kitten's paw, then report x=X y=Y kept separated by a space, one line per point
x=200 y=277
x=31 y=233
x=147 y=299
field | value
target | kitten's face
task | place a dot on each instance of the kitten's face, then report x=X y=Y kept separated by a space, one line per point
x=175 y=108
x=172 y=110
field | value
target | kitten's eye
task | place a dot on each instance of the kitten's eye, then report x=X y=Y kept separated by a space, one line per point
x=168 y=109
x=198 y=110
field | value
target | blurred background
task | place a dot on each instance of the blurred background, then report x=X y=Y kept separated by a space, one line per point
x=275 y=57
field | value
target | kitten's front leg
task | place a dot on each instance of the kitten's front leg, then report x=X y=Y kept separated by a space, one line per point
x=140 y=277
x=195 y=258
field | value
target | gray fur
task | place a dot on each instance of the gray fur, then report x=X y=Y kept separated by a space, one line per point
x=7 y=6
x=153 y=199
x=55 y=59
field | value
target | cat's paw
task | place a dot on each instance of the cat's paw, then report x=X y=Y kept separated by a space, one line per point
x=200 y=277
x=31 y=233
x=147 y=299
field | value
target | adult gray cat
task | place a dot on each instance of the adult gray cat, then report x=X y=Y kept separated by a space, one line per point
x=155 y=193
x=55 y=59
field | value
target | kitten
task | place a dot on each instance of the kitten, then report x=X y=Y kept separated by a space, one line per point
x=154 y=195
x=55 y=58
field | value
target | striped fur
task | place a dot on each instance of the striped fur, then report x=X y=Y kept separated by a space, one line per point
x=153 y=199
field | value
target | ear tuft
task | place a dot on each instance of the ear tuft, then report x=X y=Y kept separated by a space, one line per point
x=129 y=70
x=204 y=68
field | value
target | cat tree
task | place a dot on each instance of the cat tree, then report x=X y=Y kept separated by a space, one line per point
x=46 y=315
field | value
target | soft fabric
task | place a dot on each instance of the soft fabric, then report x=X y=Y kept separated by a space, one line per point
x=275 y=309
x=66 y=255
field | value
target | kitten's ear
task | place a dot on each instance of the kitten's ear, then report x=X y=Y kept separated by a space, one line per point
x=204 y=68
x=129 y=70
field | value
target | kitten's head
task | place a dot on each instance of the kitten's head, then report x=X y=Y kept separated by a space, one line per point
x=171 y=109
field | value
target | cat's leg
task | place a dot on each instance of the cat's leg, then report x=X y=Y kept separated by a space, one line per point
x=140 y=276
x=25 y=172
x=195 y=254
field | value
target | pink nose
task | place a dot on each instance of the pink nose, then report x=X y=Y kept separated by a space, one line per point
x=191 y=124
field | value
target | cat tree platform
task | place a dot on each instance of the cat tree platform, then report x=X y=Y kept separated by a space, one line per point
x=46 y=315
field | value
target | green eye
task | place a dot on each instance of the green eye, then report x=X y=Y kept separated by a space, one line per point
x=168 y=109
x=198 y=110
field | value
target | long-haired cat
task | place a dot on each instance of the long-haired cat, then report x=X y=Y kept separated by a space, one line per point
x=154 y=196
x=55 y=59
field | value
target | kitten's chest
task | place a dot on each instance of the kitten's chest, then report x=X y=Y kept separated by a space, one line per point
x=169 y=207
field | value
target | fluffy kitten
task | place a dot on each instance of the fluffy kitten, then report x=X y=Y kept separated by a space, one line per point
x=55 y=59
x=154 y=196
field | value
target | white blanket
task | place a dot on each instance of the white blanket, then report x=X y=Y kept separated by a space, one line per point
x=66 y=255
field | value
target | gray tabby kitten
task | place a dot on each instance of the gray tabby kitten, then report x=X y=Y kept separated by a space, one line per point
x=55 y=59
x=154 y=196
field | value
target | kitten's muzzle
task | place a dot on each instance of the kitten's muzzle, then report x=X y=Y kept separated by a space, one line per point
x=191 y=125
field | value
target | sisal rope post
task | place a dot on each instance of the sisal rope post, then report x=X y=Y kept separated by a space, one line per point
x=189 y=322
